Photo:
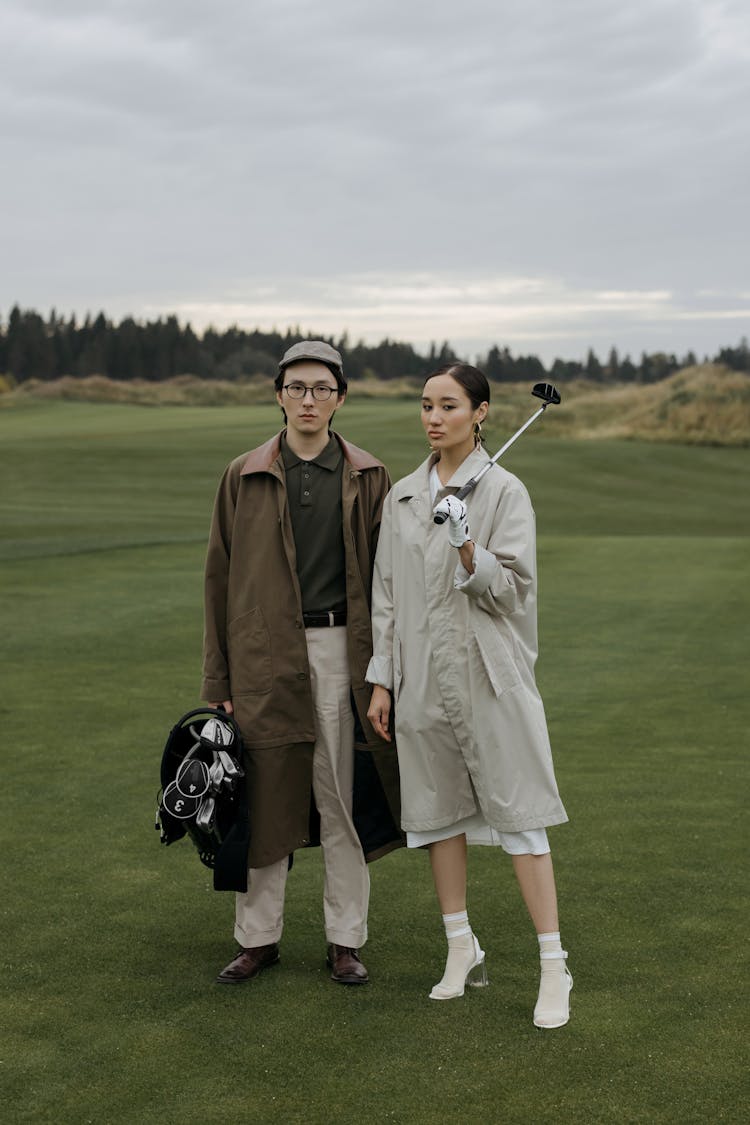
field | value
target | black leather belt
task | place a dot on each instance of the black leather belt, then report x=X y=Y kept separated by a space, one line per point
x=321 y=620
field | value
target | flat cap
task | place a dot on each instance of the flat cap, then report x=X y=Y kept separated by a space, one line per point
x=316 y=350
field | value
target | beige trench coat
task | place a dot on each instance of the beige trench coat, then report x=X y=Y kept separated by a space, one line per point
x=458 y=652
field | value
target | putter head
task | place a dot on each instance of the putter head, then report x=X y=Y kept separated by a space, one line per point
x=545 y=391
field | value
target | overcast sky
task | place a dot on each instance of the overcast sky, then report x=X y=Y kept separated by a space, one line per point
x=546 y=174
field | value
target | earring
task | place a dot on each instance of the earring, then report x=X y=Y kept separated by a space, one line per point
x=477 y=433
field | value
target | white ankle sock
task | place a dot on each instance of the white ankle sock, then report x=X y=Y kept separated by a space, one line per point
x=456 y=925
x=550 y=943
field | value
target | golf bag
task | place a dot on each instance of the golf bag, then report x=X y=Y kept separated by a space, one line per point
x=203 y=785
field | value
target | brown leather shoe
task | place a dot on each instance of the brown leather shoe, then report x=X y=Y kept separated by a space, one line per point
x=248 y=963
x=345 y=965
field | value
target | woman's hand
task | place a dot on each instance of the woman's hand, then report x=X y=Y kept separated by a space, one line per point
x=379 y=711
x=458 y=525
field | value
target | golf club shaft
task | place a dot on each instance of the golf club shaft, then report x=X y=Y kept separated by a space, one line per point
x=471 y=484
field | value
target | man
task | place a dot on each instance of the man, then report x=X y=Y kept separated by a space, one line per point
x=287 y=643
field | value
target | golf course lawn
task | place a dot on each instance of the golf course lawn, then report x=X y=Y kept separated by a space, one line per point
x=110 y=942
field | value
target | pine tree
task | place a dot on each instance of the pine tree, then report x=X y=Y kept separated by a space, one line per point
x=612 y=370
x=628 y=370
x=593 y=367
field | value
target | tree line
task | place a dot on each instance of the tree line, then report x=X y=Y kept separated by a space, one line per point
x=32 y=347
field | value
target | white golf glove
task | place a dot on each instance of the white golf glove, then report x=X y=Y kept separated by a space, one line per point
x=458 y=527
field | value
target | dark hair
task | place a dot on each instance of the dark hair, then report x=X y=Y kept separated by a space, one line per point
x=341 y=383
x=473 y=381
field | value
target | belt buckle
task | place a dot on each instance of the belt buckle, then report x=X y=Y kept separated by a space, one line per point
x=331 y=621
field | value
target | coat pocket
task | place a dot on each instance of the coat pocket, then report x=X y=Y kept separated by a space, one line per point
x=249 y=649
x=496 y=658
x=398 y=674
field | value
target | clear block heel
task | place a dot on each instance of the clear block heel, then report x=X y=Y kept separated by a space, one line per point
x=477 y=977
x=464 y=966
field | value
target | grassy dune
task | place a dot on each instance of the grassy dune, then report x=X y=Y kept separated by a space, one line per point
x=707 y=405
x=110 y=943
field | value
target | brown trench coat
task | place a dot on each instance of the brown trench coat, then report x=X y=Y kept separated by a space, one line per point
x=255 y=652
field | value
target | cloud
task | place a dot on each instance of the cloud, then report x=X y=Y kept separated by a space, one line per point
x=536 y=314
x=180 y=153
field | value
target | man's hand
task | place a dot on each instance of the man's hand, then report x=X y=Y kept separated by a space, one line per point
x=379 y=711
x=226 y=706
x=458 y=527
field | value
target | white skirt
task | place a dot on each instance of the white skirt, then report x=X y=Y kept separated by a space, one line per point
x=478 y=831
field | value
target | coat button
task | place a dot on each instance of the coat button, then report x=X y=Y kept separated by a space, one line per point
x=302 y=675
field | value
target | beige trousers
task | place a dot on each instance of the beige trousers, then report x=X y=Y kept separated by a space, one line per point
x=259 y=913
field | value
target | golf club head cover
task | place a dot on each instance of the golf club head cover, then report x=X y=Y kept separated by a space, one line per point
x=192 y=779
x=178 y=805
x=458 y=527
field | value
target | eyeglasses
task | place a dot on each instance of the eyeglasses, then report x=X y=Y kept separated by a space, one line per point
x=321 y=393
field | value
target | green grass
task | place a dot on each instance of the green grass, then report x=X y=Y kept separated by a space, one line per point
x=110 y=943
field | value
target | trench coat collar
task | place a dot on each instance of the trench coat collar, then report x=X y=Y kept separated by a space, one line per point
x=419 y=481
x=264 y=459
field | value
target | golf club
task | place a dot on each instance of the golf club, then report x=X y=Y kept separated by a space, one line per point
x=551 y=397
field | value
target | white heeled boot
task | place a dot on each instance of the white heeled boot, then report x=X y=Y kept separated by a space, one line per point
x=553 y=1004
x=465 y=965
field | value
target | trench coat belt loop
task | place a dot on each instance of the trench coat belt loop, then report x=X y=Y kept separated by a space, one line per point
x=325 y=618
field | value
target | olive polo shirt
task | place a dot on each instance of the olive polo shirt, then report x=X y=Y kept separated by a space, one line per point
x=313 y=491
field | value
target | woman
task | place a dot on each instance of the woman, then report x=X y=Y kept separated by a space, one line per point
x=455 y=642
